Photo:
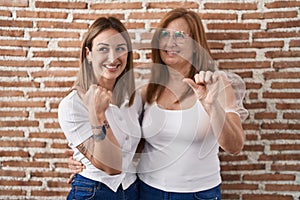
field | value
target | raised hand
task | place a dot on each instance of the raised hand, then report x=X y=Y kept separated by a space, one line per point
x=97 y=100
x=206 y=86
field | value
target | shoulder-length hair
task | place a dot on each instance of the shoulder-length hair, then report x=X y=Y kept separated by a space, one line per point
x=201 y=55
x=85 y=78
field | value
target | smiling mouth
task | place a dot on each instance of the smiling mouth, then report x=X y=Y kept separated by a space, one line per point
x=172 y=52
x=110 y=67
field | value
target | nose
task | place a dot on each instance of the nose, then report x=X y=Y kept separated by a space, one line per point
x=171 y=41
x=112 y=56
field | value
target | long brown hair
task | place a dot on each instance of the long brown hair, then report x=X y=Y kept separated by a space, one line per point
x=86 y=77
x=201 y=56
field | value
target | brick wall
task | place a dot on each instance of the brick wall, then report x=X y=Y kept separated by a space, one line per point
x=39 y=51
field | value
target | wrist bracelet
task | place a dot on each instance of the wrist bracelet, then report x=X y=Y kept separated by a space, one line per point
x=100 y=135
x=101 y=131
x=105 y=124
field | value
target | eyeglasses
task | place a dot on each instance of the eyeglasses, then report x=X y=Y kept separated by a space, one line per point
x=178 y=36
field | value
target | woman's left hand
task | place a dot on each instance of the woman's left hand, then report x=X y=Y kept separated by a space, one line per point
x=74 y=165
x=206 y=86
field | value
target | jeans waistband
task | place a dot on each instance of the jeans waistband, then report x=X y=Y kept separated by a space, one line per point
x=86 y=180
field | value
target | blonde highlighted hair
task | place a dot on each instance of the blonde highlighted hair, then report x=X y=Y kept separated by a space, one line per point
x=125 y=82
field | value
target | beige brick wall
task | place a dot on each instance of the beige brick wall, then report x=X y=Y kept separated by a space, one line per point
x=39 y=51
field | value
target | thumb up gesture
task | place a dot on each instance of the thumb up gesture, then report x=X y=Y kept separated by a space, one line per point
x=207 y=86
x=96 y=99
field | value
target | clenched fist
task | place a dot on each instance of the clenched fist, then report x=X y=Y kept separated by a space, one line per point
x=96 y=99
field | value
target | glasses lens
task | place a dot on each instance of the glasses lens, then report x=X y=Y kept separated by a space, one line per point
x=164 y=35
x=179 y=35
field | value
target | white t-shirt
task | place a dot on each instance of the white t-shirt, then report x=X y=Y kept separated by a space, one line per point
x=181 y=153
x=74 y=121
x=181 y=150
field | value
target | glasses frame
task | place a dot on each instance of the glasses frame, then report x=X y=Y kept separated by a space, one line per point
x=172 y=34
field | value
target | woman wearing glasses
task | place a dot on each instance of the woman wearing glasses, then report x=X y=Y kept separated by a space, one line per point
x=190 y=110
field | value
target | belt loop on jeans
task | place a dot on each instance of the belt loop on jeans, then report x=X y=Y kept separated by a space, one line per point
x=166 y=195
x=98 y=185
x=73 y=178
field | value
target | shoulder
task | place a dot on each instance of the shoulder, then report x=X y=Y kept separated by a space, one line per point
x=69 y=101
x=71 y=107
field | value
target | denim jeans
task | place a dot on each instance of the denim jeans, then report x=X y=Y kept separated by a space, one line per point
x=149 y=193
x=84 y=188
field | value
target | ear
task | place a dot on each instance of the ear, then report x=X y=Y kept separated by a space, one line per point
x=88 y=54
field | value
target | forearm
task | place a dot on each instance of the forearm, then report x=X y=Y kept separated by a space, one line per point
x=103 y=149
x=227 y=128
x=107 y=154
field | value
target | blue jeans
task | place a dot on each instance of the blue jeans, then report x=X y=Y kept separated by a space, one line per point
x=84 y=188
x=150 y=193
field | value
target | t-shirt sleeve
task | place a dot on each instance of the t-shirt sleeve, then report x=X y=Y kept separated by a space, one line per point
x=239 y=89
x=73 y=120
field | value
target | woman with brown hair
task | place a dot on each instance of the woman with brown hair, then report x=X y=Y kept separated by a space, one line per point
x=190 y=110
x=99 y=117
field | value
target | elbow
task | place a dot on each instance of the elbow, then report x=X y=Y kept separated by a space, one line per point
x=112 y=169
x=234 y=150
x=237 y=148
x=109 y=170
x=112 y=172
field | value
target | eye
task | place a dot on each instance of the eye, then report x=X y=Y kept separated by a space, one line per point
x=103 y=49
x=179 y=34
x=164 y=34
x=121 y=49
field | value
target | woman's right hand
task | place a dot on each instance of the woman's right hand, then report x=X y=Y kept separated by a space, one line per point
x=75 y=166
x=97 y=100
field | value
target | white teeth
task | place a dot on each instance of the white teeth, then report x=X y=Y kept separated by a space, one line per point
x=111 y=67
x=172 y=52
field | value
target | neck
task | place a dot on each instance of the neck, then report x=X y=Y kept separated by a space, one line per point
x=177 y=74
x=175 y=83
x=107 y=83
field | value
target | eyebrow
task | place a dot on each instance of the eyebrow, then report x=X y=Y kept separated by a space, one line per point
x=105 y=44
